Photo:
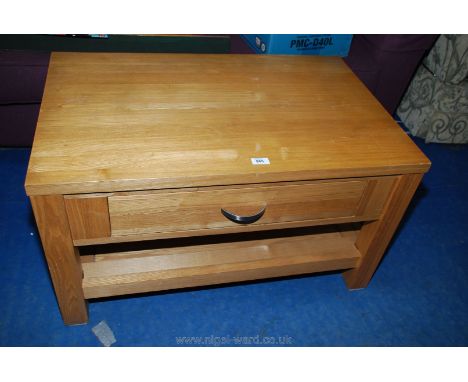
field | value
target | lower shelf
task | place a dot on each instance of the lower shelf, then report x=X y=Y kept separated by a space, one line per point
x=180 y=267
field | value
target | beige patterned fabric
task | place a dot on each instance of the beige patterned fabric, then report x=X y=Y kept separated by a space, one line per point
x=435 y=106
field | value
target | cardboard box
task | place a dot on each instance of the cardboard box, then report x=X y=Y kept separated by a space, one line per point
x=311 y=44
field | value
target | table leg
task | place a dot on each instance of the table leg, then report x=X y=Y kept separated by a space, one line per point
x=62 y=257
x=375 y=236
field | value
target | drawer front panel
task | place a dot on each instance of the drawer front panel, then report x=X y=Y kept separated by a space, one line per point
x=197 y=210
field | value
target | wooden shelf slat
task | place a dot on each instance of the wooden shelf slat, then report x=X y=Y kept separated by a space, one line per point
x=170 y=268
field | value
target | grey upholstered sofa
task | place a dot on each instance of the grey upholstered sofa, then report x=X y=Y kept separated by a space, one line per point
x=435 y=106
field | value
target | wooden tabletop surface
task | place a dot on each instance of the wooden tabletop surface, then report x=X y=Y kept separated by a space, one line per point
x=114 y=122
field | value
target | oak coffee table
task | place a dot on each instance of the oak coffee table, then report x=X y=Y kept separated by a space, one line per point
x=158 y=171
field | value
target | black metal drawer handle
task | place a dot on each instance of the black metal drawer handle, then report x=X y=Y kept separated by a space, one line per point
x=243 y=219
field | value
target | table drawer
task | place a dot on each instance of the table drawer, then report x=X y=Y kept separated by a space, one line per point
x=147 y=213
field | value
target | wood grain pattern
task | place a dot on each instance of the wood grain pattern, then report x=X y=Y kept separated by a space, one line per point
x=152 y=270
x=62 y=257
x=140 y=121
x=375 y=236
x=375 y=195
x=88 y=217
x=198 y=210
x=370 y=208
x=221 y=231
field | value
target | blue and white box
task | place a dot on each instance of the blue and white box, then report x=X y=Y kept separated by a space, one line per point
x=300 y=44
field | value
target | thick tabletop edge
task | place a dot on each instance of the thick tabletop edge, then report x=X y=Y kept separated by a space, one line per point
x=222 y=180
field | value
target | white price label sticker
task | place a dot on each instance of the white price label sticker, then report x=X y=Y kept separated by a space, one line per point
x=260 y=161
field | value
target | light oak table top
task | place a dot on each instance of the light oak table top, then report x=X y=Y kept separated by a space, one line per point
x=116 y=122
